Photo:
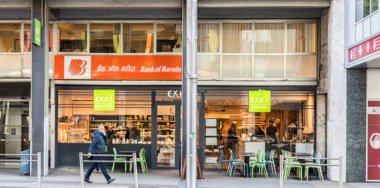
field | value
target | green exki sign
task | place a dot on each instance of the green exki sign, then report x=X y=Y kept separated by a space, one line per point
x=259 y=101
x=36 y=32
x=104 y=100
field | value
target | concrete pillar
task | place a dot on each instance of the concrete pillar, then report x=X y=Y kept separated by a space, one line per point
x=39 y=92
x=333 y=83
x=321 y=125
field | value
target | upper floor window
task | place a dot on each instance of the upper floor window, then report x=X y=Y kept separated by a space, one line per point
x=365 y=7
x=10 y=37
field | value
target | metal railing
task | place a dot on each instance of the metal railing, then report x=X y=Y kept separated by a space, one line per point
x=30 y=160
x=313 y=164
x=81 y=161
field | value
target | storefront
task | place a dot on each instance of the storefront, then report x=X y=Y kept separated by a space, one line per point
x=273 y=55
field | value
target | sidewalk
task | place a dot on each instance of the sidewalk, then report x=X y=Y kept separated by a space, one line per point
x=64 y=178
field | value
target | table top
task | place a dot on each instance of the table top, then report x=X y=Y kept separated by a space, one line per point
x=127 y=151
x=247 y=154
x=302 y=154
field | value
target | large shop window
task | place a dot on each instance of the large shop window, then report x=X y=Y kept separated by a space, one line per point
x=130 y=123
x=230 y=127
x=257 y=51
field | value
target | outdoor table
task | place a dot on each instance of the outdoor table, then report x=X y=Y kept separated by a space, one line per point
x=127 y=152
x=303 y=161
x=246 y=156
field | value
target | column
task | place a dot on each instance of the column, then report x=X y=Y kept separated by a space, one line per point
x=40 y=89
x=333 y=81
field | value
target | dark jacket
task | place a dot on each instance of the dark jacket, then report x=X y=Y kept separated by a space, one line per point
x=110 y=135
x=260 y=132
x=98 y=144
x=133 y=133
x=271 y=131
x=232 y=134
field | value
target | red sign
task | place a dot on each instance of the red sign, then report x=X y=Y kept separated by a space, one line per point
x=365 y=48
x=373 y=160
x=139 y=67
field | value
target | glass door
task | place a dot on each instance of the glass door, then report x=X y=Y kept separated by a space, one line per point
x=168 y=129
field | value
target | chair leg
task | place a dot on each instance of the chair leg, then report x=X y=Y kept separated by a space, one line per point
x=301 y=173
x=146 y=166
x=113 y=166
x=246 y=166
x=307 y=173
x=274 y=167
x=125 y=167
x=234 y=171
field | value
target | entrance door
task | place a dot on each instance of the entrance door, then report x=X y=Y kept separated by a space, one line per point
x=168 y=134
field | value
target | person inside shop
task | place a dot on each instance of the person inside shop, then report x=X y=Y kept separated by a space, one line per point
x=232 y=138
x=272 y=130
x=111 y=134
x=132 y=132
x=259 y=131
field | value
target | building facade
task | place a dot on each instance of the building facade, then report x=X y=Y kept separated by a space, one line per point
x=295 y=50
x=362 y=35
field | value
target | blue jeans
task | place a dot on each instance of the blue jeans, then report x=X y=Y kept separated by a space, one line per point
x=101 y=166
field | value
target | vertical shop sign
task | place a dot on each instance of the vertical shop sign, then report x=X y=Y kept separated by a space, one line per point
x=259 y=101
x=104 y=100
x=36 y=32
x=373 y=160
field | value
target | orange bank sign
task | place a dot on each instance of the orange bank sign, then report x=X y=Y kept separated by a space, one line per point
x=118 y=67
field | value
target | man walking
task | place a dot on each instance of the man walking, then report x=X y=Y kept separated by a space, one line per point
x=98 y=146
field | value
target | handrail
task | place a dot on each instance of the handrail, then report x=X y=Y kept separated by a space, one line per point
x=314 y=164
x=81 y=161
x=30 y=160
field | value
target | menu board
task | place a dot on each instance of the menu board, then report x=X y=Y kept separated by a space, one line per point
x=211 y=123
x=373 y=159
x=211 y=132
x=211 y=141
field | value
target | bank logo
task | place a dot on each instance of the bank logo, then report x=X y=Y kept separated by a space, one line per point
x=374 y=141
x=77 y=67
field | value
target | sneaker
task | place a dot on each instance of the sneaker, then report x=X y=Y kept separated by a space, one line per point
x=111 y=180
x=97 y=172
x=87 y=180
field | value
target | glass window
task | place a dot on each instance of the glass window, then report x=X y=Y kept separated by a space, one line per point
x=374 y=5
x=72 y=37
x=366 y=8
x=10 y=35
x=130 y=123
x=208 y=37
x=301 y=37
x=269 y=66
x=237 y=66
x=14 y=132
x=237 y=38
x=138 y=38
x=359 y=10
x=269 y=38
x=105 y=38
x=301 y=66
x=169 y=37
x=230 y=127
x=208 y=66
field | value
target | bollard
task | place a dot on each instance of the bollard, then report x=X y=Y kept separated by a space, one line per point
x=81 y=169
x=39 y=169
x=135 y=170
x=340 y=172
x=281 y=171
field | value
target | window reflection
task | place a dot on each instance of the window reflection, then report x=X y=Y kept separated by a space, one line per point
x=72 y=37
x=10 y=35
x=105 y=38
x=138 y=38
x=169 y=37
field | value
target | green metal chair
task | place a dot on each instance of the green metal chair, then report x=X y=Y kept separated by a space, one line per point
x=288 y=167
x=261 y=164
x=118 y=159
x=271 y=162
x=141 y=160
